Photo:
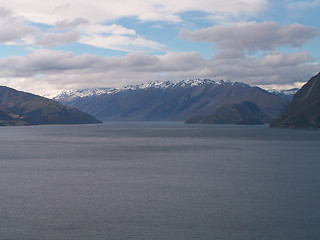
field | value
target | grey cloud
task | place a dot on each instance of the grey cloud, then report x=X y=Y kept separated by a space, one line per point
x=47 y=62
x=273 y=68
x=4 y=12
x=253 y=36
x=182 y=62
x=64 y=69
x=277 y=59
x=14 y=29
x=185 y=61
x=56 y=39
x=138 y=61
x=67 y=24
x=60 y=8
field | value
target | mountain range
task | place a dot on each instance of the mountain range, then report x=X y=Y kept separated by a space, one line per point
x=304 y=109
x=21 y=108
x=167 y=101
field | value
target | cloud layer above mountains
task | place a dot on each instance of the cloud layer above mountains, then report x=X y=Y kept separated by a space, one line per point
x=58 y=69
x=245 y=47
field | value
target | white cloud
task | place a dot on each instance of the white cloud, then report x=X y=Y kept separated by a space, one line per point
x=122 y=43
x=47 y=71
x=19 y=30
x=116 y=37
x=91 y=20
x=253 y=36
x=112 y=36
x=114 y=29
x=147 y=10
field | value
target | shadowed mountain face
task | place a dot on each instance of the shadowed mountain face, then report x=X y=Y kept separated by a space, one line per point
x=246 y=113
x=174 y=102
x=21 y=108
x=304 y=110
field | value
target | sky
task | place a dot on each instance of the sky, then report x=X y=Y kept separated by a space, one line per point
x=50 y=46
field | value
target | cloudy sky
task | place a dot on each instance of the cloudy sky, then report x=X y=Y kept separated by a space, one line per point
x=49 y=46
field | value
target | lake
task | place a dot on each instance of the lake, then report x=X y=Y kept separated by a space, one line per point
x=151 y=180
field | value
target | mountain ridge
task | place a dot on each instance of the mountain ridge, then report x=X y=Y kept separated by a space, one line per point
x=167 y=101
x=87 y=92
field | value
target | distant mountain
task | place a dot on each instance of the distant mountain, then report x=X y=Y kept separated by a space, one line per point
x=245 y=113
x=304 y=110
x=21 y=108
x=167 y=101
x=90 y=92
x=288 y=94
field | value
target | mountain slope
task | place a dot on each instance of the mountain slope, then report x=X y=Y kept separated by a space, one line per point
x=21 y=108
x=173 y=102
x=287 y=94
x=304 y=110
x=239 y=113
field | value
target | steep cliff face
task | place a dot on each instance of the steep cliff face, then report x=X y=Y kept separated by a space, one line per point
x=304 y=109
x=21 y=108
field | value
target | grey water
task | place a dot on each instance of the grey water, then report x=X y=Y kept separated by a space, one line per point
x=159 y=181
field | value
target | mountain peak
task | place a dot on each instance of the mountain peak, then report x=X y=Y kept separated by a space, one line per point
x=196 y=82
x=156 y=84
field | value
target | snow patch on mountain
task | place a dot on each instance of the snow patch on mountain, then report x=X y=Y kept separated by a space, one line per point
x=283 y=92
x=80 y=93
x=196 y=82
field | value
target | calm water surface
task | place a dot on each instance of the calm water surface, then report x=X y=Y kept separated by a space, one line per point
x=159 y=181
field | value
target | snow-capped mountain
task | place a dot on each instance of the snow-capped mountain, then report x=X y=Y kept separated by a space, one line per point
x=288 y=94
x=168 y=101
x=80 y=93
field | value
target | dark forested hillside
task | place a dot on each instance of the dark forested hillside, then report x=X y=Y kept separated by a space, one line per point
x=304 y=109
x=21 y=108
